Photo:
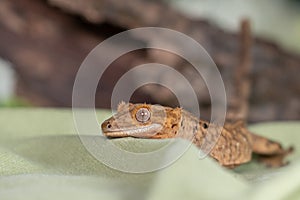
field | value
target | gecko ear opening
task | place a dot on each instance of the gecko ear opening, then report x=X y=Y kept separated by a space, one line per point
x=122 y=105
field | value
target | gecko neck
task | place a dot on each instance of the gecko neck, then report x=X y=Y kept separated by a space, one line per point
x=189 y=126
x=200 y=132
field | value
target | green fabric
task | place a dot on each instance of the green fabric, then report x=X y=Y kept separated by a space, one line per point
x=42 y=157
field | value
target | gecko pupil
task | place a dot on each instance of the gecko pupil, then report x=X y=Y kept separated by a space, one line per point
x=205 y=125
x=143 y=115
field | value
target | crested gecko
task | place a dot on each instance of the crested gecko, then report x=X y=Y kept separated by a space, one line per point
x=233 y=146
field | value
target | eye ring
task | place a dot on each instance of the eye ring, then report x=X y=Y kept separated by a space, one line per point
x=143 y=115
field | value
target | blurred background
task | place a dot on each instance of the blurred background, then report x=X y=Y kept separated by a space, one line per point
x=43 y=43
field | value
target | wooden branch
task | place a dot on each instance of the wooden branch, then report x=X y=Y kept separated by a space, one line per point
x=242 y=76
x=46 y=44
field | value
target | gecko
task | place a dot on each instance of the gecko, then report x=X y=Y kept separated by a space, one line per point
x=233 y=143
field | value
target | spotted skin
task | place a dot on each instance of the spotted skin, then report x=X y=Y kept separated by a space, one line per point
x=231 y=145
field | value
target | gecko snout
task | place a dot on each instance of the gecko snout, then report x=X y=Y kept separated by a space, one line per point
x=106 y=125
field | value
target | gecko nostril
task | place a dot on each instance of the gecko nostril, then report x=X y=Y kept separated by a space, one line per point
x=108 y=125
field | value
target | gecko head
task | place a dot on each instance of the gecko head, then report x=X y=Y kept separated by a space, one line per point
x=142 y=121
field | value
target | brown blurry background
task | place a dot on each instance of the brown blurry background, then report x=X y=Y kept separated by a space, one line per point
x=45 y=41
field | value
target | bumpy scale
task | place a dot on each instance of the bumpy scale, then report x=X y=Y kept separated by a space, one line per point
x=230 y=145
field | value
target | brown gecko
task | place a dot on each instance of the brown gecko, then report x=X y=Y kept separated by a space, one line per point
x=234 y=146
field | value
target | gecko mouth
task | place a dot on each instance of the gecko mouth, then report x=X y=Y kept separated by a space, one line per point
x=142 y=131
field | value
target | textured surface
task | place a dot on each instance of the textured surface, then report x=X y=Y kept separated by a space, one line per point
x=231 y=145
x=47 y=45
x=41 y=156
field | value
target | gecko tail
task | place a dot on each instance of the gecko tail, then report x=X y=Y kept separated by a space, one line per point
x=264 y=146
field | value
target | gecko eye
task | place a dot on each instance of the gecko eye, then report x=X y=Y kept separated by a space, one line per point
x=142 y=115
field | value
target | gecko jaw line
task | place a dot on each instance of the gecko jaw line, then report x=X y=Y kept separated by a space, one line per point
x=136 y=132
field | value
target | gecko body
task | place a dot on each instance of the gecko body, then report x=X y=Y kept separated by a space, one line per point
x=231 y=145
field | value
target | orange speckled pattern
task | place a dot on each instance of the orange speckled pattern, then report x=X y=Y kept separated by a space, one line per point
x=233 y=146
